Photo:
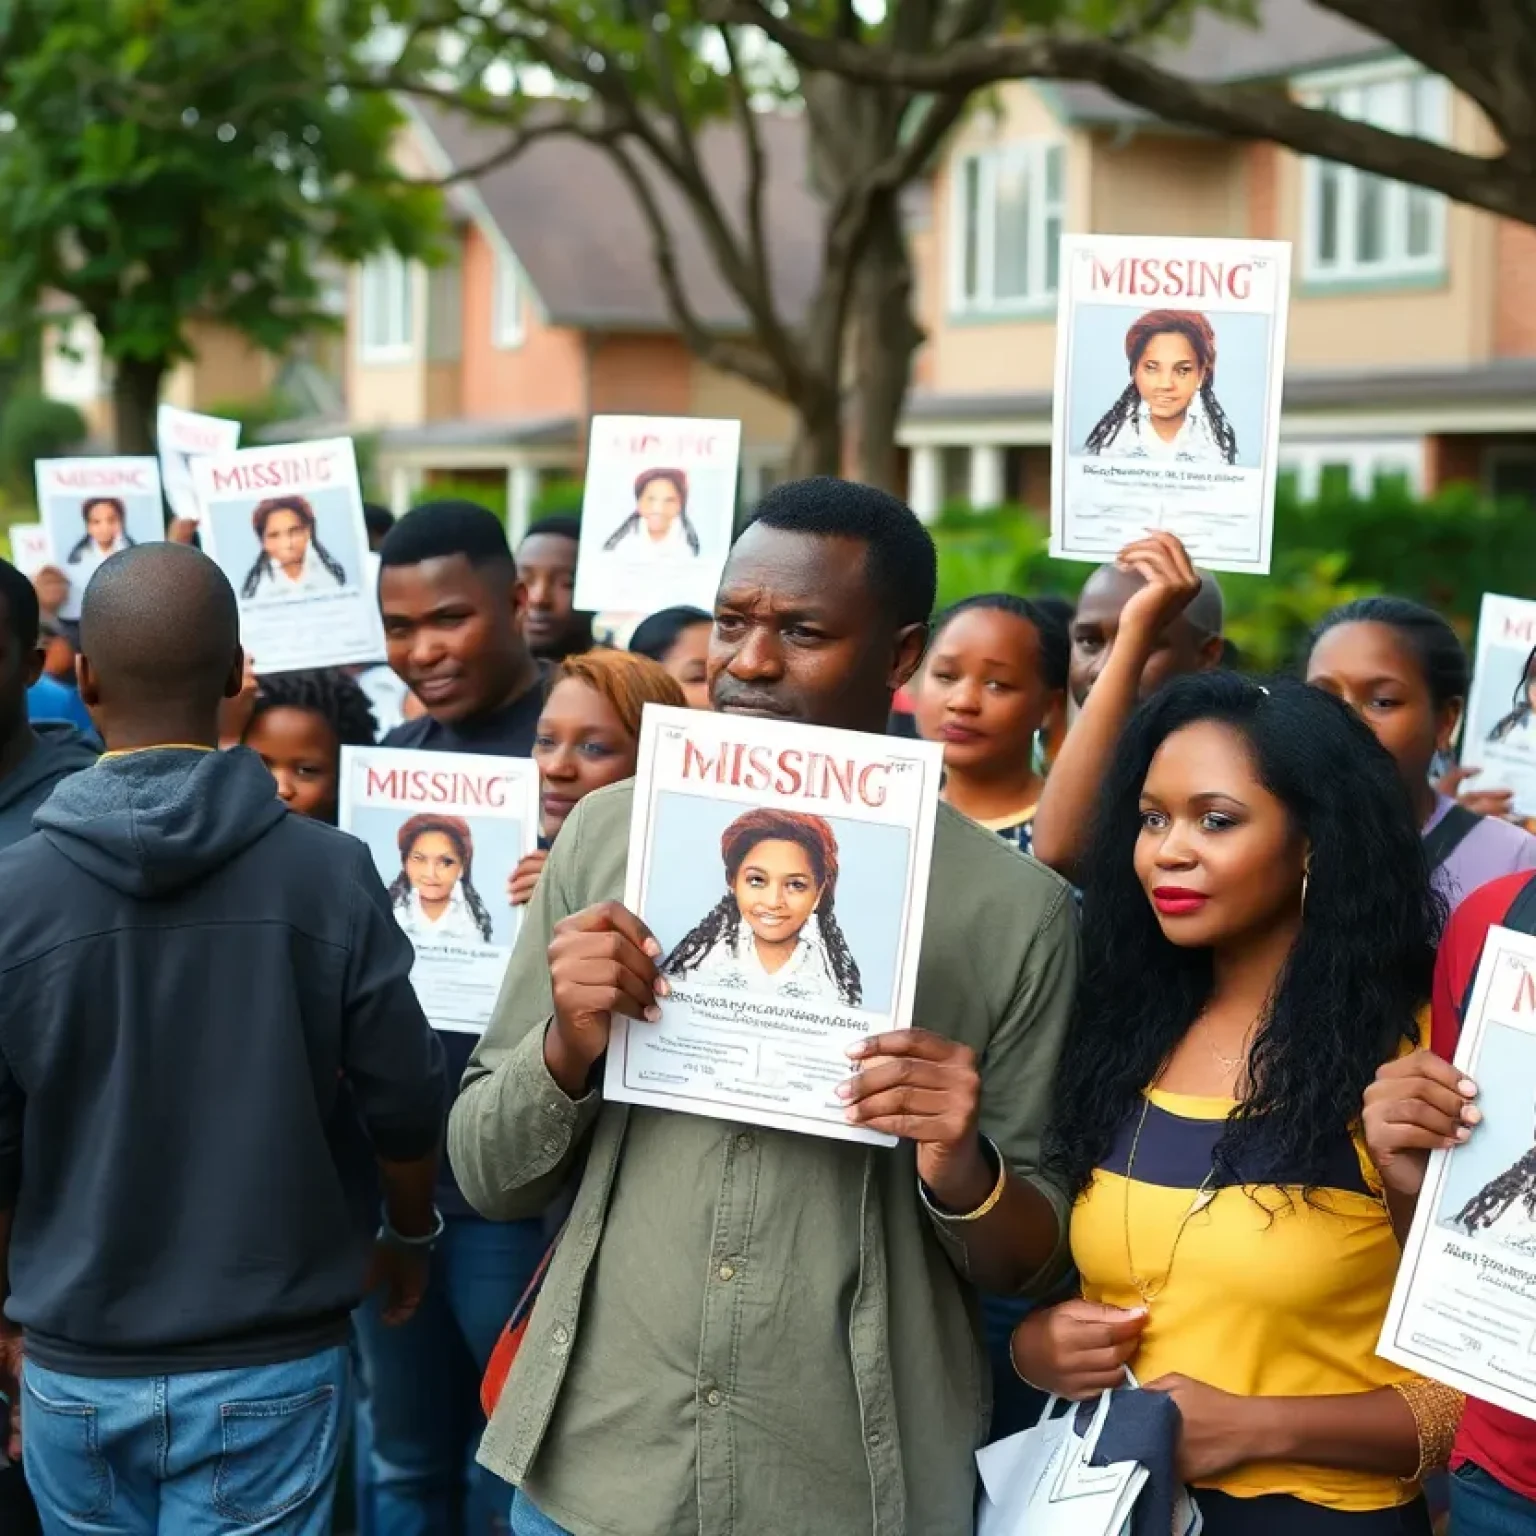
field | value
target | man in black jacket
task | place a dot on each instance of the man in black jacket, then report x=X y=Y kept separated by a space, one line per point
x=210 y=1057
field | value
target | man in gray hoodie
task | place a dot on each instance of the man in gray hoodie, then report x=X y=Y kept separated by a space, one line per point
x=33 y=758
x=211 y=1062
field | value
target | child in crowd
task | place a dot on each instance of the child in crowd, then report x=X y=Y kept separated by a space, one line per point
x=993 y=687
x=588 y=736
x=299 y=723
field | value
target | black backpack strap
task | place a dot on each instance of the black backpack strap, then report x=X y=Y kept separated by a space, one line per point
x=1521 y=917
x=1449 y=834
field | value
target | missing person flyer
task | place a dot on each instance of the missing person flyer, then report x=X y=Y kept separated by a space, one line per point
x=182 y=436
x=91 y=509
x=1464 y=1307
x=285 y=524
x=30 y=550
x=1169 y=359
x=1500 y=734
x=446 y=833
x=784 y=870
x=656 y=513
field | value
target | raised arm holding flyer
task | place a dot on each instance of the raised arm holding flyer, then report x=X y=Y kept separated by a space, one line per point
x=1147 y=433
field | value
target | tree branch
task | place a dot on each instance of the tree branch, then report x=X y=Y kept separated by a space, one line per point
x=706 y=343
x=746 y=122
x=1238 y=111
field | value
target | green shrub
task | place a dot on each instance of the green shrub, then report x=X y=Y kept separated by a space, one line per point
x=34 y=427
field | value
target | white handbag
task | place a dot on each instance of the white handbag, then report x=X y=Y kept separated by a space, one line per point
x=1041 y=1482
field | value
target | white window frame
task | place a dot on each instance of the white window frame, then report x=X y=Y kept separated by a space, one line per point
x=1344 y=90
x=386 y=308
x=1035 y=155
x=1367 y=459
x=507 y=295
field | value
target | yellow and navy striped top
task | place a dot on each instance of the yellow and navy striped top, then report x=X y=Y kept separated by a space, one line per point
x=1267 y=1296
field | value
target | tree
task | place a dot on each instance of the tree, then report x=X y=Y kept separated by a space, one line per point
x=165 y=163
x=1485 y=48
x=643 y=80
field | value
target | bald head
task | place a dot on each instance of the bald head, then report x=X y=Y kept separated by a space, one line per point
x=1191 y=643
x=159 y=634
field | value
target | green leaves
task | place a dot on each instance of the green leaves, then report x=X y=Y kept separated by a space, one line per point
x=181 y=159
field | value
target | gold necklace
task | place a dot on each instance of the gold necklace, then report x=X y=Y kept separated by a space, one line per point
x=1203 y=1197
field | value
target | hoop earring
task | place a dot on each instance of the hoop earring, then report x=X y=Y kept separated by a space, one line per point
x=1306 y=880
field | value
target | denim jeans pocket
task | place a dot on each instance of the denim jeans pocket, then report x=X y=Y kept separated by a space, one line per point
x=273 y=1454
x=62 y=1455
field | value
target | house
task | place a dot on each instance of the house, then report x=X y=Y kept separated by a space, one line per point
x=224 y=371
x=549 y=310
x=1412 y=348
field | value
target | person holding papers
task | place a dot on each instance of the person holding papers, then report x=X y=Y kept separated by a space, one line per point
x=755 y=1329
x=1416 y=1105
x=1258 y=934
x=293 y=562
x=453 y=608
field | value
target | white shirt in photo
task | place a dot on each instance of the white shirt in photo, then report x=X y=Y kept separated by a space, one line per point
x=273 y=584
x=640 y=548
x=455 y=924
x=806 y=975
x=1193 y=443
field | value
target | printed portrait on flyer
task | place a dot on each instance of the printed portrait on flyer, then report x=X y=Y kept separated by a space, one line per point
x=657 y=511
x=446 y=834
x=91 y=509
x=1170 y=354
x=783 y=870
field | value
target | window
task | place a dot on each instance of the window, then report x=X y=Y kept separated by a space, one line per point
x=507 y=299
x=1006 y=228
x=386 y=310
x=1353 y=465
x=1362 y=226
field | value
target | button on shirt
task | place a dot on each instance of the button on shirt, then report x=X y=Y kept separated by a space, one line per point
x=746 y=1332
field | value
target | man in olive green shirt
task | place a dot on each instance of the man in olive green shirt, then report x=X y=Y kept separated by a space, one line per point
x=748 y=1332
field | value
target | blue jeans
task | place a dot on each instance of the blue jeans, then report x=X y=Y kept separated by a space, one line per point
x=1482 y=1506
x=200 y=1454
x=424 y=1382
x=529 y=1521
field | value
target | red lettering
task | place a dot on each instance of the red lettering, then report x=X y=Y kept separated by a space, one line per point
x=1152 y=277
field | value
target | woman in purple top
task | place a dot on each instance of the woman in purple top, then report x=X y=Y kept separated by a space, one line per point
x=1402 y=668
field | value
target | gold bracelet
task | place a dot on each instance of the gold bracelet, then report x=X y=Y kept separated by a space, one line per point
x=1436 y=1410
x=986 y=1205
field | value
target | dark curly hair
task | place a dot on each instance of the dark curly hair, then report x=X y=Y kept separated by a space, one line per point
x=1347 y=998
x=631 y=524
x=723 y=921
x=329 y=693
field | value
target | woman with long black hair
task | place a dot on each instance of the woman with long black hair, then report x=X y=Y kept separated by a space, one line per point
x=1258 y=932
x=659 y=528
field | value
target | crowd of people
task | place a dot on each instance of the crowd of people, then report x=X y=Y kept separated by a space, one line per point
x=1196 y=952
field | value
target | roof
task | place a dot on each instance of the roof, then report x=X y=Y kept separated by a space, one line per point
x=1289 y=37
x=521 y=432
x=1502 y=379
x=575 y=227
